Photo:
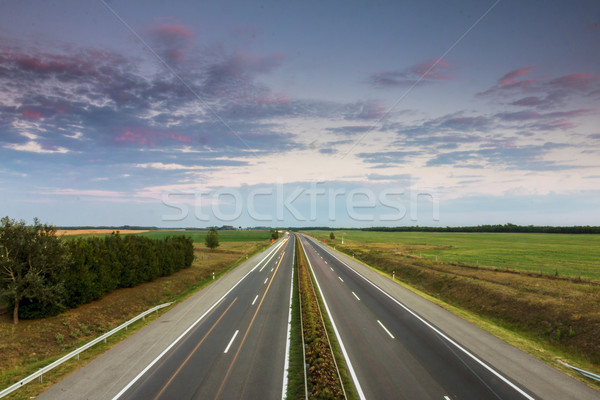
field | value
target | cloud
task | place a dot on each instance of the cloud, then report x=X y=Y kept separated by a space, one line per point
x=35 y=147
x=422 y=73
x=171 y=40
x=387 y=158
x=366 y=110
x=581 y=81
x=529 y=157
x=144 y=136
x=542 y=92
x=509 y=79
x=352 y=129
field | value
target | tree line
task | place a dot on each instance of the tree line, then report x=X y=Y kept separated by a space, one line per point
x=509 y=228
x=42 y=274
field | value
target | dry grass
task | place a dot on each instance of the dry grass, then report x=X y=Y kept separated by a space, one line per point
x=34 y=343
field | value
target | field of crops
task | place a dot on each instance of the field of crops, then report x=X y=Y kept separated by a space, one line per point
x=197 y=236
x=562 y=254
x=224 y=236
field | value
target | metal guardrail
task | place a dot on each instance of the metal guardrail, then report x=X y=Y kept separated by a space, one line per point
x=583 y=372
x=75 y=353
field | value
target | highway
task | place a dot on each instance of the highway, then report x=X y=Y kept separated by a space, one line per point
x=393 y=353
x=238 y=350
x=230 y=341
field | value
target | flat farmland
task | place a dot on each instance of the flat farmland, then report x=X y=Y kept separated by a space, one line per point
x=552 y=254
x=196 y=235
x=224 y=236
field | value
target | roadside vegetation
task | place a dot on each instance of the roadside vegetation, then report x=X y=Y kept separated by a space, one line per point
x=41 y=274
x=562 y=255
x=34 y=343
x=560 y=314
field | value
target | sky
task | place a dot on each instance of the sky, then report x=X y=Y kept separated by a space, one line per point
x=304 y=113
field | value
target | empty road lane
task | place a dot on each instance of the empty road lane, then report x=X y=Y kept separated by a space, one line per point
x=395 y=354
x=237 y=350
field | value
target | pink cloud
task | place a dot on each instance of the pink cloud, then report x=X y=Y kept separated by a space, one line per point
x=527 y=101
x=171 y=39
x=422 y=73
x=580 y=81
x=172 y=31
x=147 y=137
x=30 y=114
x=278 y=100
x=510 y=78
x=432 y=69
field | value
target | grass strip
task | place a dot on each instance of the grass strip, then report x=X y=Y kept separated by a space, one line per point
x=296 y=388
x=323 y=340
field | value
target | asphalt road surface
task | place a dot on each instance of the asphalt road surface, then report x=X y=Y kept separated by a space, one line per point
x=394 y=353
x=238 y=350
x=228 y=341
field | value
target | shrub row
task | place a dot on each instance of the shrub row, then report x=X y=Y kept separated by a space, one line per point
x=99 y=265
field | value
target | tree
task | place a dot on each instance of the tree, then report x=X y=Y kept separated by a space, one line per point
x=274 y=234
x=331 y=236
x=212 y=238
x=32 y=259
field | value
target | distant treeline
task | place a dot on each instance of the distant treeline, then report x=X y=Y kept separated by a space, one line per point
x=491 y=228
x=99 y=265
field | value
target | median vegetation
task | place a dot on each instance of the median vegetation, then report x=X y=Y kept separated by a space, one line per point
x=326 y=372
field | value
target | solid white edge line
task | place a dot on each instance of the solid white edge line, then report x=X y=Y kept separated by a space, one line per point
x=361 y=395
x=138 y=376
x=433 y=328
x=357 y=298
x=385 y=329
x=289 y=335
x=231 y=341
x=254 y=301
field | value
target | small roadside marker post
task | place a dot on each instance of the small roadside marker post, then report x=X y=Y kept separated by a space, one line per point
x=394 y=275
x=213 y=275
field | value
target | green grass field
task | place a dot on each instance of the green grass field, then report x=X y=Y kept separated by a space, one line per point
x=565 y=254
x=224 y=236
x=199 y=235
